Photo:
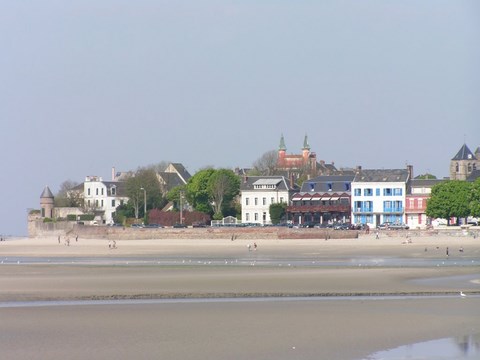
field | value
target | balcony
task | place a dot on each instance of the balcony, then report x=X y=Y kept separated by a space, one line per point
x=394 y=210
x=363 y=210
x=344 y=208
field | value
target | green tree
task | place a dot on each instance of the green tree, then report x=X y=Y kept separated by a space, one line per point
x=213 y=192
x=475 y=199
x=277 y=212
x=174 y=195
x=198 y=191
x=449 y=199
x=144 y=179
x=67 y=197
x=223 y=187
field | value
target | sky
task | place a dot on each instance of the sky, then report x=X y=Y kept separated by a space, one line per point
x=90 y=85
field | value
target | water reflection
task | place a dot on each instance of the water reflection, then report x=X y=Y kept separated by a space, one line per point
x=461 y=348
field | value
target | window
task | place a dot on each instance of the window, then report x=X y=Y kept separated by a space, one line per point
x=246 y=201
x=247 y=217
x=102 y=191
x=113 y=190
x=347 y=186
x=281 y=199
x=256 y=216
x=113 y=202
x=397 y=191
x=88 y=202
x=102 y=203
x=88 y=192
x=264 y=201
x=368 y=192
x=420 y=203
x=387 y=192
x=412 y=203
x=358 y=192
x=256 y=201
x=329 y=185
x=96 y=202
x=272 y=200
x=377 y=191
x=96 y=191
x=264 y=217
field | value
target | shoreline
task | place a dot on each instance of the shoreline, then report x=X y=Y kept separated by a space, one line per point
x=370 y=308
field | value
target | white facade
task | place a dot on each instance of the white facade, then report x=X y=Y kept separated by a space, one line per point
x=374 y=203
x=261 y=194
x=100 y=196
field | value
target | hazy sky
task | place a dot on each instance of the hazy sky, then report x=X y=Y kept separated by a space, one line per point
x=87 y=85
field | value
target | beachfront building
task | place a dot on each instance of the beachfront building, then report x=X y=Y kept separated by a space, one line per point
x=378 y=196
x=419 y=191
x=324 y=199
x=259 y=192
x=103 y=197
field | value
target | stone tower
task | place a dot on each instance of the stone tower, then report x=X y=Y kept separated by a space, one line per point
x=46 y=203
x=463 y=164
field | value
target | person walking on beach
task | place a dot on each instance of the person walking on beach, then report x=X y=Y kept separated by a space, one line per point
x=376 y=235
x=249 y=247
x=255 y=246
x=59 y=239
x=447 y=252
x=76 y=238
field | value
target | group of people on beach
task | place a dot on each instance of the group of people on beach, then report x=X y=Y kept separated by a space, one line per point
x=250 y=247
x=67 y=240
x=112 y=244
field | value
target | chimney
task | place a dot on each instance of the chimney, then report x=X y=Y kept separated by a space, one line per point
x=113 y=173
x=358 y=169
x=410 y=172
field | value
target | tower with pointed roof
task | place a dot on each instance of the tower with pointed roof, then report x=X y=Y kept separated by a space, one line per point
x=464 y=163
x=46 y=203
x=305 y=149
x=282 y=151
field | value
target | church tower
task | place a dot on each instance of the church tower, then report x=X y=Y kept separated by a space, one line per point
x=282 y=151
x=305 y=150
x=463 y=164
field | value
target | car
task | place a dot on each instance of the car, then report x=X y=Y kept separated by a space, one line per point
x=179 y=226
x=138 y=226
x=399 y=226
x=199 y=224
x=384 y=226
x=472 y=222
x=153 y=226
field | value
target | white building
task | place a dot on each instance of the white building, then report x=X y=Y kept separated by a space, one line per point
x=259 y=192
x=103 y=197
x=378 y=196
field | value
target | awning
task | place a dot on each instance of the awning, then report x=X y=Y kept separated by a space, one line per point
x=325 y=198
x=296 y=197
x=334 y=198
x=306 y=197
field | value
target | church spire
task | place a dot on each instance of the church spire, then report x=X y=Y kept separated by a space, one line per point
x=282 y=146
x=306 y=146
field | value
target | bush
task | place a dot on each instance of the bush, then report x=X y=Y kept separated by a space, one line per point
x=47 y=220
x=87 y=217
x=72 y=217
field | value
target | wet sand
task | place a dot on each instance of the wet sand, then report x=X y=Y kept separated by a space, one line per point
x=338 y=328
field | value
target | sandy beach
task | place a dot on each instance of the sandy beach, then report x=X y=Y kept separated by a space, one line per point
x=329 y=323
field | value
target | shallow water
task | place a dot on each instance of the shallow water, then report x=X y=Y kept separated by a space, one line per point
x=466 y=347
x=361 y=261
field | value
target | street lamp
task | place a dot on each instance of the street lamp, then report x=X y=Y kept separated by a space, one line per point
x=144 y=203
